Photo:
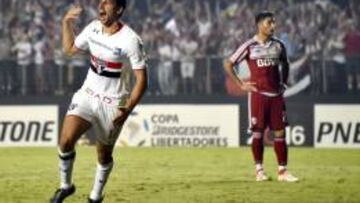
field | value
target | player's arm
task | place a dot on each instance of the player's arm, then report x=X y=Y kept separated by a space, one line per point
x=138 y=89
x=135 y=96
x=284 y=66
x=137 y=58
x=68 y=35
x=229 y=70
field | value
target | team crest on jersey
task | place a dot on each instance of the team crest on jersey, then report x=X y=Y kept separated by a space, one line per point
x=100 y=65
x=101 y=69
x=257 y=50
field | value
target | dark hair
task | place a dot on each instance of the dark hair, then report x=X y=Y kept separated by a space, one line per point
x=262 y=15
x=121 y=3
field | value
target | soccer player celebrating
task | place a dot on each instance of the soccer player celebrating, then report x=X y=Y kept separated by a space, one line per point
x=265 y=55
x=105 y=99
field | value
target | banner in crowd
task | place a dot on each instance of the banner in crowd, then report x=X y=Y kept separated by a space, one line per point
x=337 y=126
x=182 y=126
x=28 y=125
x=299 y=132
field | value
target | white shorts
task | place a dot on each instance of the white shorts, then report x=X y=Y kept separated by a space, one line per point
x=100 y=111
x=187 y=69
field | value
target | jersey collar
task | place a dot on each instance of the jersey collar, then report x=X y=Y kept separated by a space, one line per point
x=120 y=27
x=266 y=44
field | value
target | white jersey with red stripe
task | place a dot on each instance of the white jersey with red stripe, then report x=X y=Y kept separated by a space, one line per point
x=112 y=58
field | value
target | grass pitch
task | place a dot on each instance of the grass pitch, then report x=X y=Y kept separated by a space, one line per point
x=177 y=175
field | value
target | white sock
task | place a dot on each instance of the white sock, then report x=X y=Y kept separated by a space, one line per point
x=281 y=168
x=259 y=167
x=102 y=174
x=66 y=162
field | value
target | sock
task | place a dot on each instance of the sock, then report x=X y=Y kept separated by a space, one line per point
x=102 y=174
x=281 y=150
x=281 y=169
x=66 y=162
x=259 y=167
x=257 y=147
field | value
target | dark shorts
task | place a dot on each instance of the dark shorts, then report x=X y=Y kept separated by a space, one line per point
x=352 y=65
x=266 y=111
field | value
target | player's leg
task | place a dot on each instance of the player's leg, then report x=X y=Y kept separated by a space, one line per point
x=106 y=136
x=278 y=122
x=257 y=147
x=256 y=126
x=76 y=122
x=280 y=148
x=73 y=128
x=281 y=151
x=103 y=170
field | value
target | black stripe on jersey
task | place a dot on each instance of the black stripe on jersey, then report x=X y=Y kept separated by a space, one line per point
x=106 y=73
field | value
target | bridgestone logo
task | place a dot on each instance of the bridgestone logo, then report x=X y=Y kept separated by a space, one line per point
x=31 y=131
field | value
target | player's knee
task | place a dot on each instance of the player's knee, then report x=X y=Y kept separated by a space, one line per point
x=105 y=159
x=66 y=143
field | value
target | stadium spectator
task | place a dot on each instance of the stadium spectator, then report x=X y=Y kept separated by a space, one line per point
x=188 y=49
x=7 y=73
x=39 y=49
x=307 y=26
x=352 y=47
x=59 y=62
x=165 y=67
x=23 y=50
x=77 y=69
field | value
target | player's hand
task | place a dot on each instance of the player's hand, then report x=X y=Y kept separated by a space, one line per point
x=249 y=87
x=73 y=13
x=283 y=87
x=121 y=116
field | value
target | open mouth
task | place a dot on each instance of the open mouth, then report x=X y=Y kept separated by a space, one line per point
x=102 y=14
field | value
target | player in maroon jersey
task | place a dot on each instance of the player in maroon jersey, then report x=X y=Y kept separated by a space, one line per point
x=267 y=60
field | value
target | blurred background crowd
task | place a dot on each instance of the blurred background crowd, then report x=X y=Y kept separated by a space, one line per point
x=186 y=42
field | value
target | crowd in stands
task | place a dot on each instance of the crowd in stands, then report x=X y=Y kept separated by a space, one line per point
x=186 y=41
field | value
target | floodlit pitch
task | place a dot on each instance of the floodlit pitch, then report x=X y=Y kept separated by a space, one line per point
x=175 y=175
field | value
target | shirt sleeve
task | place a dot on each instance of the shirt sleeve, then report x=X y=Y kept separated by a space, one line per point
x=283 y=55
x=239 y=54
x=136 y=54
x=284 y=64
x=81 y=41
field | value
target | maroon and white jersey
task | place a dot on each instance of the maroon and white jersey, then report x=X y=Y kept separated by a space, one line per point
x=112 y=58
x=263 y=61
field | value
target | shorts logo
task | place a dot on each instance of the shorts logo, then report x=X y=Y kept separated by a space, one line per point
x=72 y=106
x=253 y=120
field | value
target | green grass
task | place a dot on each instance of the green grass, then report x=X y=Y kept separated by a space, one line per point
x=184 y=175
